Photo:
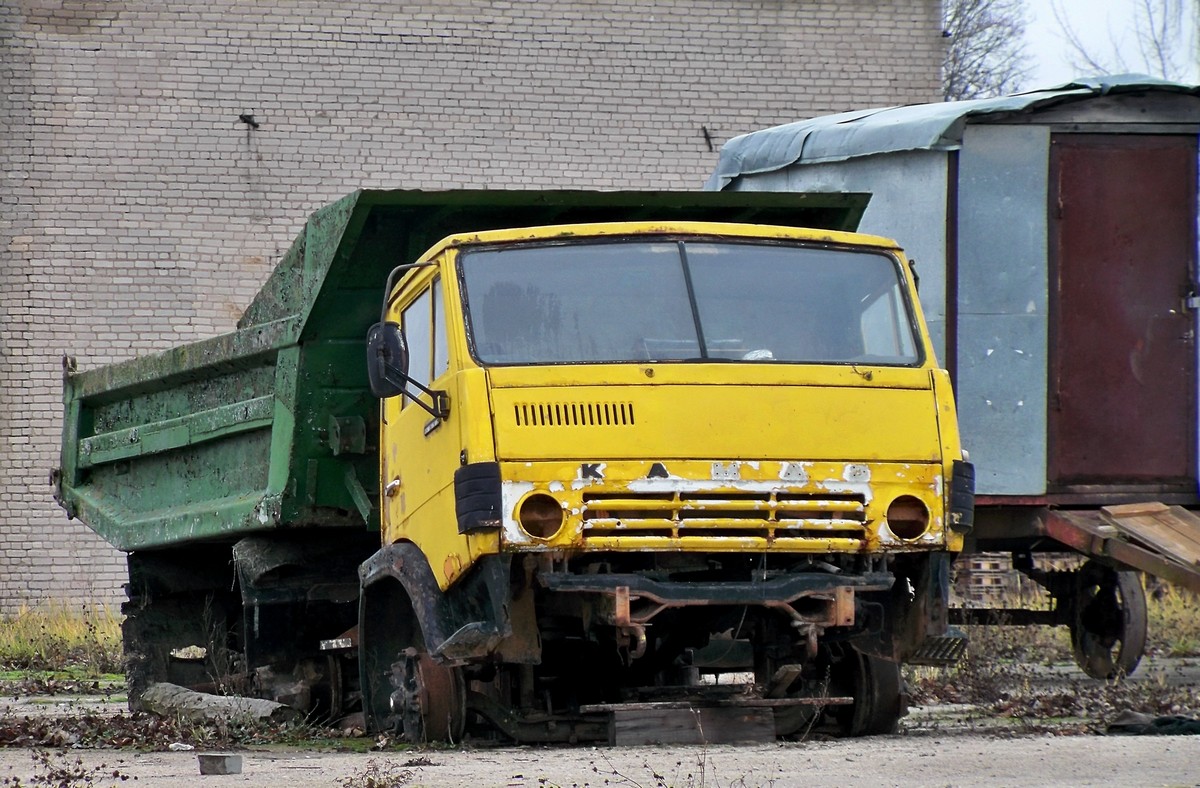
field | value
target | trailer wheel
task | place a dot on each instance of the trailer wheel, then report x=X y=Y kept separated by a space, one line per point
x=430 y=699
x=877 y=688
x=1108 y=628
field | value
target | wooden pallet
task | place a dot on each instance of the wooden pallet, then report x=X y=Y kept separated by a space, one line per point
x=691 y=726
x=1172 y=530
x=680 y=722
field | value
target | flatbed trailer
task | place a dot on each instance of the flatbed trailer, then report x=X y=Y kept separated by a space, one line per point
x=1103 y=601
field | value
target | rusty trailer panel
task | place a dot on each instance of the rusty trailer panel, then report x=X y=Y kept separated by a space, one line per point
x=1061 y=247
x=1122 y=348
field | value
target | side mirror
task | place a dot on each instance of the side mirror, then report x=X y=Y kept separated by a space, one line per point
x=387 y=360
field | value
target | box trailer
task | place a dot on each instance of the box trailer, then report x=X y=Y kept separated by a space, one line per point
x=1054 y=233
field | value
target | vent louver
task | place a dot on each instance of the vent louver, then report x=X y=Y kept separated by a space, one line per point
x=574 y=414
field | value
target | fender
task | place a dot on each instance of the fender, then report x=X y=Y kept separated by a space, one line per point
x=468 y=621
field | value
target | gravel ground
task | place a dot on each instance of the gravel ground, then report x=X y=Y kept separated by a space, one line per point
x=918 y=760
x=942 y=745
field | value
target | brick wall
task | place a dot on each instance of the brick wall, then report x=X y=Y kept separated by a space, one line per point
x=138 y=212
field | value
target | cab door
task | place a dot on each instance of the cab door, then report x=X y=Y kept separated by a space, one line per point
x=420 y=451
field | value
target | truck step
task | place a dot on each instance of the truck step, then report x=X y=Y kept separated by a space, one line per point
x=941 y=651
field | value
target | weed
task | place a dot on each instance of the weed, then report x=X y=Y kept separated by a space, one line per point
x=151 y=732
x=378 y=774
x=1015 y=673
x=57 y=637
x=57 y=770
x=1174 y=621
x=700 y=774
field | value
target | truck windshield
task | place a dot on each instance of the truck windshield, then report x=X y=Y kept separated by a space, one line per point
x=668 y=300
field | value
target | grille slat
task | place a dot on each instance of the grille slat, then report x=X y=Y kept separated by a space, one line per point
x=776 y=517
x=573 y=414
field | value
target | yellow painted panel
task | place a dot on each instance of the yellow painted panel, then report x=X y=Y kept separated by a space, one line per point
x=665 y=373
x=857 y=435
x=727 y=422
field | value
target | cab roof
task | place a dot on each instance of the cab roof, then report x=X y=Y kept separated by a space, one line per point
x=564 y=232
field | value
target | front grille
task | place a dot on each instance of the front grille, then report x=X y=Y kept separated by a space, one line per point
x=769 y=515
x=573 y=414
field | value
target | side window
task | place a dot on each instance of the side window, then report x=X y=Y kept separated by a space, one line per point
x=424 y=323
x=886 y=334
x=441 y=349
x=417 y=322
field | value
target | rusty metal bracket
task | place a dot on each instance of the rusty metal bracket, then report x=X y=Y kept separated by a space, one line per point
x=621 y=606
x=633 y=600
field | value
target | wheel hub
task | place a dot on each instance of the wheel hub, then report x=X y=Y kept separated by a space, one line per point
x=429 y=699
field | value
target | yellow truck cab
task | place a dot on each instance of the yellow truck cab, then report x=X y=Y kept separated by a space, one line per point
x=619 y=459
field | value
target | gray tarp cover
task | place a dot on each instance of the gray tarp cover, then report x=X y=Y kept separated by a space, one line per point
x=888 y=129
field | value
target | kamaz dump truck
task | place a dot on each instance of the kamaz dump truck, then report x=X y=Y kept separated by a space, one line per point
x=590 y=460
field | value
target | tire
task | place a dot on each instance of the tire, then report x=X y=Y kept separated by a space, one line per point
x=878 y=690
x=1108 y=625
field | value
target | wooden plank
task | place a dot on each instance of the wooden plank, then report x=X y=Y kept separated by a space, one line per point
x=1185 y=524
x=783 y=678
x=691 y=726
x=772 y=703
x=1173 y=531
x=1163 y=533
x=1155 y=535
x=1134 y=509
x=1082 y=532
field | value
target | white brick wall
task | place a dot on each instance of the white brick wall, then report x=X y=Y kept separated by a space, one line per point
x=138 y=212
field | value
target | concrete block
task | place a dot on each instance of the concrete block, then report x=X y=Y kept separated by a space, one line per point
x=219 y=763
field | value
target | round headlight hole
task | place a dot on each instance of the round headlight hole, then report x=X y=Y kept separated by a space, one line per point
x=908 y=517
x=540 y=515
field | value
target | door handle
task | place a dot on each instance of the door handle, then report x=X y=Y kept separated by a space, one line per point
x=1191 y=301
x=391 y=488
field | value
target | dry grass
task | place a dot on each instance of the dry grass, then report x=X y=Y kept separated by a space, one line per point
x=1174 y=622
x=1007 y=672
x=1173 y=626
x=59 y=638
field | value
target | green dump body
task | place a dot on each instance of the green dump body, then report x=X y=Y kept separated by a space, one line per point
x=273 y=426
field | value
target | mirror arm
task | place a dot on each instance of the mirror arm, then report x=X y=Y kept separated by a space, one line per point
x=440 y=399
x=440 y=409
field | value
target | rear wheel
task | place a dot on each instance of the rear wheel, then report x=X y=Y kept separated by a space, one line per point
x=1108 y=628
x=875 y=685
x=877 y=688
x=177 y=627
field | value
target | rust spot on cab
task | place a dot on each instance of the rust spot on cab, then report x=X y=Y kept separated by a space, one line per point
x=452 y=567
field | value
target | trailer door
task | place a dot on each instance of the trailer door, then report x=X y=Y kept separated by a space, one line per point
x=1122 y=409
